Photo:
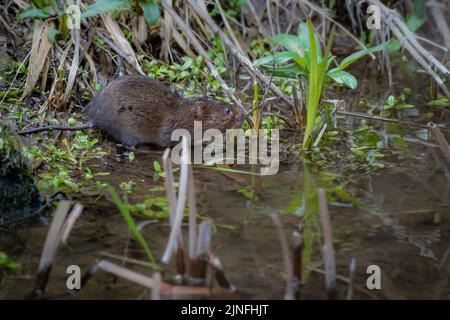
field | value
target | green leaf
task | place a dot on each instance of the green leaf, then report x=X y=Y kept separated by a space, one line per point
x=359 y=54
x=124 y=210
x=276 y=58
x=401 y=144
x=157 y=166
x=290 y=42
x=151 y=11
x=303 y=36
x=35 y=13
x=102 y=6
x=441 y=102
x=288 y=71
x=344 y=78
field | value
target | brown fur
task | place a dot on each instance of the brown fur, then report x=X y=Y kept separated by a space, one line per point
x=139 y=110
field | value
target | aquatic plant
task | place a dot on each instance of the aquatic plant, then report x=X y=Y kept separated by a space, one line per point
x=303 y=57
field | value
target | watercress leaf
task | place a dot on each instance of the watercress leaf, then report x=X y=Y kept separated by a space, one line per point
x=151 y=11
x=343 y=77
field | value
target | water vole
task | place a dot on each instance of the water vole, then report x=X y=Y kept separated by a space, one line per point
x=138 y=110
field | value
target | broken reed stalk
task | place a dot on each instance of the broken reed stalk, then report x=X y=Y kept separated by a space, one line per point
x=192 y=250
x=352 y=270
x=328 y=250
x=221 y=277
x=198 y=47
x=70 y=222
x=58 y=232
x=229 y=43
x=156 y=291
x=158 y=287
x=440 y=139
x=178 y=217
x=202 y=247
x=170 y=193
x=289 y=293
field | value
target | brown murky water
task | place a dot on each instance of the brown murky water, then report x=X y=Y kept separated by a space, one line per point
x=403 y=226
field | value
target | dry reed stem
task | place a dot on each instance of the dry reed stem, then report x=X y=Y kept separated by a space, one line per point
x=39 y=51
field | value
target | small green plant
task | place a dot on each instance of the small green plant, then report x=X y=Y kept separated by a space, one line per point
x=397 y=106
x=55 y=9
x=7 y=265
x=124 y=210
x=303 y=57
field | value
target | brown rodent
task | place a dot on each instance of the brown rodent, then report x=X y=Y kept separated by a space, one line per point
x=139 y=110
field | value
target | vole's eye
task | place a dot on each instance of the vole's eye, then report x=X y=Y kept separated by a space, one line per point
x=227 y=111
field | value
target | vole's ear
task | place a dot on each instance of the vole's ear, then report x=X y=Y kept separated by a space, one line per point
x=199 y=108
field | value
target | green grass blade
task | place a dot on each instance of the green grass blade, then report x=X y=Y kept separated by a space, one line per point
x=123 y=208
